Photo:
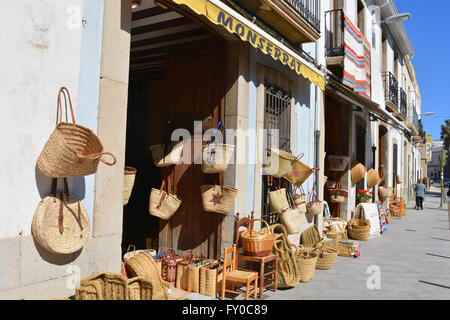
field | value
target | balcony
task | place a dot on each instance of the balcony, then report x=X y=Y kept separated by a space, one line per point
x=403 y=112
x=412 y=121
x=391 y=92
x=296 y=20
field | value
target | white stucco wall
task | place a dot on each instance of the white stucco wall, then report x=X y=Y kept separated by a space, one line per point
x=41 y=51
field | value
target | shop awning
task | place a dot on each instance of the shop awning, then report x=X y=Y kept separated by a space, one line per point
x=220 y=14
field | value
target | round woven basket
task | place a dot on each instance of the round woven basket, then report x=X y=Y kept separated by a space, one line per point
x=216 y=158
x=306 y=262
x=128 y=183
x=373 y=178
x=172 y=157
x=291 y=220
x=280 y=163
x=71 y=150
x=219 y=199
x=357 y=172
x=45 y=227
x=359 y=229
x=337 y=163
x=257 y=244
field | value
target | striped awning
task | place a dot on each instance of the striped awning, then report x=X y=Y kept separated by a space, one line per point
x=220 y=14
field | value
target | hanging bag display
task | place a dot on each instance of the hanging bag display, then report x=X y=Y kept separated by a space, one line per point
x=169 y=153
x=216 y=156
x=280 y=163
x=300 y=200
x=128 y=183
x=163 y=204
x=290 y=218
x=337 y=195
x=60 y=223
x=278 y=200
x=71 y=150
x=300 y=172
x=337 y=162
x=219 y=199
x=314 y=206
x=357 y=172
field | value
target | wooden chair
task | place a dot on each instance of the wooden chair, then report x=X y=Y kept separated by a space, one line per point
x=262 y=261
x=237 y=276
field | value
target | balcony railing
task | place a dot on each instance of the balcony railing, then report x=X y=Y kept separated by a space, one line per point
x=403 y=102
x=308 y=9
x=334 y=33
x=391 y=88
x=415 y=118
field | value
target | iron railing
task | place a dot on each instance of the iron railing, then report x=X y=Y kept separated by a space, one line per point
x=391 y=88
x=403 y=103
x=414 y=118
x=308 y=9
x=334 y=33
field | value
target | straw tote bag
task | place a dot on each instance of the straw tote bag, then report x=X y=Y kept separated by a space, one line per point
x=128 y=183
x=300 y=200
x=278 y=200
x=216 y=156
x=357 y=172
x=163 y=204
x=71 y=150
x=373 y=178
x=60 y=223
x=336 y=194
x=169 y=154
x=217 y=198
x=300 y=172
x=314 y=206
x=290 y=218
x=284 y=166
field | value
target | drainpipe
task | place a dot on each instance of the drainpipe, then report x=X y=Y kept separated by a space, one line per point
x=317 y=132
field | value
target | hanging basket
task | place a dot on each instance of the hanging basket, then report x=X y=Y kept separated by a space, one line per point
x=300 y=201
x=384 y=192
x=359 y=229
x=373 y=178
x=314 y=206
x=278 y=200
x=163 y=204
x=337 y=195
x=291 y=220
x=280 y=163
x=71 y=150
x=300 y=172
x=219 y=199
x=257 y=243
x=169 y=154
x=357 y=172
x=216 y=156
x=337 y=163
x=60 y=223
x=128 y=183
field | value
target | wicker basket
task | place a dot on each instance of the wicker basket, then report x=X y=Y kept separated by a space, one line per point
x=291 y=220
x=163 y=157
x=140 y=289
x=280 y=163
x=384 y=192
x=310 y=237
x=128 y=183
x=300 y=172
x=306 y=262
x=219 y=199
x=357 y=172
x=337 y=195
x=373 y=178
x=359 y=229
x=314 y=206
x=60 y=223
x=103 y=286
x=300 y=201
x=71 y=150
x=163 y=204
x=337 y=163
x=257 y=244
x=326 y=257
x=208 y=279
x=278 y=200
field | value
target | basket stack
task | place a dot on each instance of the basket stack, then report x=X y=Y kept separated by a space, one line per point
x=359 y=229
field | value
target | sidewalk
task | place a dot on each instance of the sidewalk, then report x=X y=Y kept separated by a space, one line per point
x=413 y=258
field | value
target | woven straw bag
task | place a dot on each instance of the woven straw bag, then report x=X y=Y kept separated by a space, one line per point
x=306 y=261
x=257 y=243
x=219 y=199
x=128 y=183
x=71 y=150
x=357 y=172
x=359 y=229
x=314 y=206
x=373 y=178
x=140 y=289
x=326 y=256
x=300 y=201
x=278 y=200
x=290 y=218
x=103 y=286
x=208 y=278
x=169 y=154
x=310 y=237
x=163 y=204
x=384 y=192
x=131 y=252
x=300 y=172
x=60 y=223
x=337 y=162
x=188 y=258
x=216 y=156
x=337 y=195
x=280 y=164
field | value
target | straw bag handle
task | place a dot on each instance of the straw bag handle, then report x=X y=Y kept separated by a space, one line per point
x=250 y=225
x=220 y=124
x=98 y=156
x=162 y=194
x=65 y=91
x=61 y=201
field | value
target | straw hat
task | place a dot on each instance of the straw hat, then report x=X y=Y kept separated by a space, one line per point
x=373 y=178
x=357 y=172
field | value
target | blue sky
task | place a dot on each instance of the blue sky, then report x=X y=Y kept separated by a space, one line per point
x=429 y=32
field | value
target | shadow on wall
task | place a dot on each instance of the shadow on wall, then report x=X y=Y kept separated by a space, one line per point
x=77 y=185
x=55 y=258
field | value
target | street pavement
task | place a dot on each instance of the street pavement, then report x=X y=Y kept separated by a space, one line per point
x=411 y=260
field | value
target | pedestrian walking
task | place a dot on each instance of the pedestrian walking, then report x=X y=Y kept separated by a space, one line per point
x=419 y=188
